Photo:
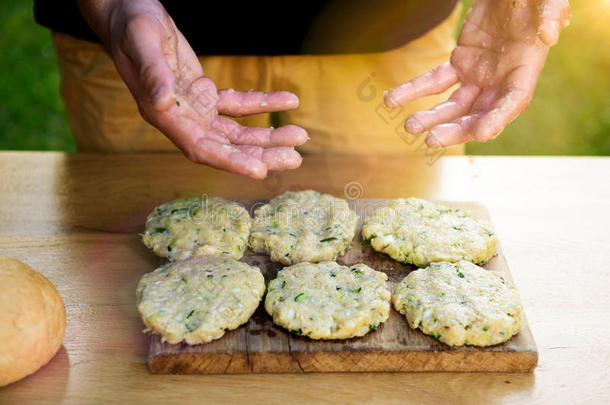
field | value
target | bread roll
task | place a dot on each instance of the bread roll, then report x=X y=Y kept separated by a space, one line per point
x=32 y=320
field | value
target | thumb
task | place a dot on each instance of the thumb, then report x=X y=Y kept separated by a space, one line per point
x=145 y=43
x=553 y=16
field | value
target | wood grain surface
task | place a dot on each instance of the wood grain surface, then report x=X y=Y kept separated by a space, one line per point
x=259 y=346
x=76 y=217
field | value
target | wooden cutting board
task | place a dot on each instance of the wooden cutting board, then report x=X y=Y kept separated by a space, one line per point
x=261 y=347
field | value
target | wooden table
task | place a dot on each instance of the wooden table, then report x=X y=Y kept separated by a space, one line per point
x=75 y=218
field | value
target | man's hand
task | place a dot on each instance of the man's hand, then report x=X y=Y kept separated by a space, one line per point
x=167 y=81
x=499 y=55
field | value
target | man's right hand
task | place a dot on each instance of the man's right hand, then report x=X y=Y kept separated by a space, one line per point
x=167 y=81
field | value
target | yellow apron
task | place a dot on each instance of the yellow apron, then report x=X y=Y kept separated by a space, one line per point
x=340 y=96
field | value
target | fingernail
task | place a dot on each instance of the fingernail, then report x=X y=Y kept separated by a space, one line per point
x=432 y=140
x=389 y=101
x=549 y=33
x=413 y=125
x=157 y=94
x=555 y=30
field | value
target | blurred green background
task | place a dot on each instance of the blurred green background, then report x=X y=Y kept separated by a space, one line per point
x=570 y=114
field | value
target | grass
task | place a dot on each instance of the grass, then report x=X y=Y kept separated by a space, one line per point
x=570 y=114
x=31 y=113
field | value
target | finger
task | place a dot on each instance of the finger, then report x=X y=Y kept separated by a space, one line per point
x=289 y=135
x=461 y=130
x=230 y=157
x=281 y=158
x=208 y=147
x=143 y=44
x=435 y=81
x=514 y=99
x=278 y=158
x=459 y=103
x=240 y=103
x=553 y=16
x=485 y=99
x=454 y=133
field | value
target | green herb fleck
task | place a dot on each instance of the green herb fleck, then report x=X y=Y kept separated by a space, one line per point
x=300 y=297
x=460 y=274
x=436 y=335
x=190 y=324
x=161 y=230
x=357 y=272
x=179 y=210
x=356 y=290
x=142 y=290
x=332 y=274
x=283 y=284
x=485 y=328
x=372 y=327
x=328 y=239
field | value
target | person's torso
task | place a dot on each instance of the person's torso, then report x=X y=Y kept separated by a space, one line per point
x=278 y=27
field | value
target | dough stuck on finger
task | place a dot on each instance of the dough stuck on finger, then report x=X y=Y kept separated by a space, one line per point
x=281 y=158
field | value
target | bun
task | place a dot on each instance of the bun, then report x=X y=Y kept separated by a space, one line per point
x=32 y=320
